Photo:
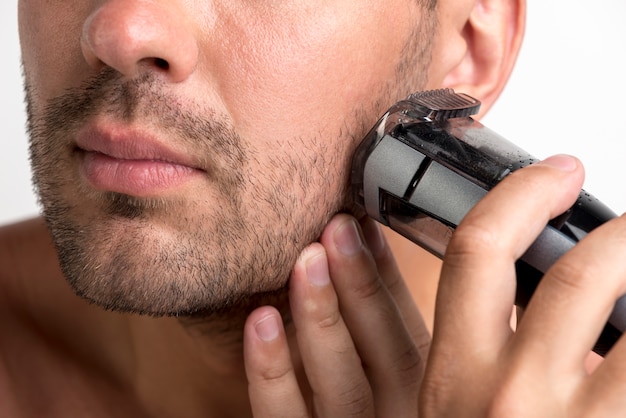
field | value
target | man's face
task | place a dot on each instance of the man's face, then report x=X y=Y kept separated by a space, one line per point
x=186 y=151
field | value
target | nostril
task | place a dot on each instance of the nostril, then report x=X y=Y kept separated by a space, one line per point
x=161 y=63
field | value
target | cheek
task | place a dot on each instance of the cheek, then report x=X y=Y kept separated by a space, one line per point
x=49 y=33
x=307 y=73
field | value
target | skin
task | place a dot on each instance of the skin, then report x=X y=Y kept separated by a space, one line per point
x=216 y=82
x=544 y=366
x=209 y=243
x=129 y=72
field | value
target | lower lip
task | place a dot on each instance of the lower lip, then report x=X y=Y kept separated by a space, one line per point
x=141 y=178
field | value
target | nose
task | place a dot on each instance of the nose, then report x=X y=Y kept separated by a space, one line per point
x=137 y=36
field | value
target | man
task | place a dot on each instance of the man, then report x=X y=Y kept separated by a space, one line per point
x=192 y=161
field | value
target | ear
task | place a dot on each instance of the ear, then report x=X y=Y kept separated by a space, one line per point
x=493 y=34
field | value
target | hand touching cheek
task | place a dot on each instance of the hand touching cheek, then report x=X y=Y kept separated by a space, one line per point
x=361 y=339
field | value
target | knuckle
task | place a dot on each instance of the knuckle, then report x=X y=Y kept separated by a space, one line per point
x=274 y=374
x=438 y=397
x=321 y=319
x=409 y=367
x=357 y=400
x=368 y=288
x=328 y=319
x=470 y=240
x=439 y=388
x=423 y=341
x=394 y=283
x=403 y=377
x=320 y=312
x=568 y=277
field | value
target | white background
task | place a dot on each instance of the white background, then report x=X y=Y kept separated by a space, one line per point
x=567 y=95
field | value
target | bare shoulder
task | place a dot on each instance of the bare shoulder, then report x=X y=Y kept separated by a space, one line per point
x=27 y=268
x=32 y=285
x=27 y=261
x=49 y=337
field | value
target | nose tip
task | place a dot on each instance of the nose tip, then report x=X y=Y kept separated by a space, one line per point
x=135 y=37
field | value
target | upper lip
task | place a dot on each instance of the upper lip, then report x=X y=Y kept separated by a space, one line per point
x=131 y=144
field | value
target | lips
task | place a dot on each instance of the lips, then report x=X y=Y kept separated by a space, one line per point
x=132 y=162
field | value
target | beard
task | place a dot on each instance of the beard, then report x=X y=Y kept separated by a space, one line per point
x=199 y=255
x=220 y=254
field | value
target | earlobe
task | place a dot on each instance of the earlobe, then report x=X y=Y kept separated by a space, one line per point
x=493 y=35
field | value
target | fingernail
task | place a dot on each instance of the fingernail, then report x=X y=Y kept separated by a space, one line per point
x=561 y=161
x=347 y=238
x=317 y=269
x=373 y=236
x=267 y=328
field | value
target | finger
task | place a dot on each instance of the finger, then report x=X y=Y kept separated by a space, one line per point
x=331 y=362
x=575 y=298
x=272 y=383
x=477 y=285
x=393 y=363
x=605 y=387
x=392 y=278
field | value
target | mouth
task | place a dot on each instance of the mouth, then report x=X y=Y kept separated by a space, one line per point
x=132 y=162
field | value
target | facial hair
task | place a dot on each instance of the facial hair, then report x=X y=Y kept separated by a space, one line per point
x=165 y=257
x=217 y=255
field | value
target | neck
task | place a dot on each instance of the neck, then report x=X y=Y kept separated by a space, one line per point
x=195 y=363
x=219 y=335
x=175 y=366
x=208 y=349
